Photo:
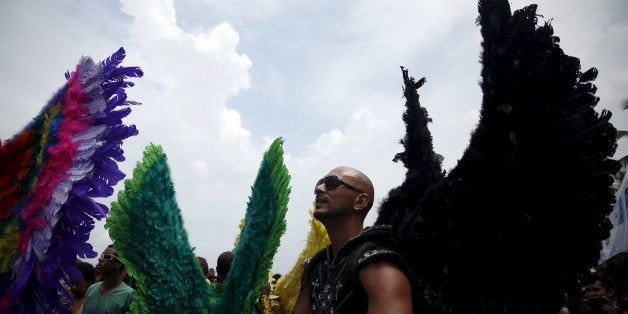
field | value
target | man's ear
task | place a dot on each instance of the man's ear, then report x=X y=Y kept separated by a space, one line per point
x=361 y=201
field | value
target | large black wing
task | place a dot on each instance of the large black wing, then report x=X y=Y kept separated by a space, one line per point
x=523 y=213
x=422 y=163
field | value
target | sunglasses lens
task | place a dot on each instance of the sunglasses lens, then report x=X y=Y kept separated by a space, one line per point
x=332 y=182
x=107 y=257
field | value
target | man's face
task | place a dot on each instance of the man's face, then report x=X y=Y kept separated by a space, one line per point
x=79 y=287
x=594 y=290
x=107 y=266
x=336 y=202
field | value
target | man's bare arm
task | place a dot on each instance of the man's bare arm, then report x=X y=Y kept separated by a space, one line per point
x=387 y=288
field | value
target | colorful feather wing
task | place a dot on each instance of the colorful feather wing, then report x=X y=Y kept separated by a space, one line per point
x=59 y=163
x=289 y=284
x=264 y=223
x=147 y=228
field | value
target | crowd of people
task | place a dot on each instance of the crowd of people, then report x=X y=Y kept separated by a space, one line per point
x=359 y=270
x=604 y=290
x=108 y=288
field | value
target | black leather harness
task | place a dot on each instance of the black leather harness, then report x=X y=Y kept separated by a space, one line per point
x=334 y=282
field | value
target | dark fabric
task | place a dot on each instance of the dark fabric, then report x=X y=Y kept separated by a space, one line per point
x=334 y=282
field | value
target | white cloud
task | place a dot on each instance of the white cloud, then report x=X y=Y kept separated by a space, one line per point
x=249 y=9
x=200 y=167
x=274 y=85
x=329 y=72
x=231 y=125
x=189 y=76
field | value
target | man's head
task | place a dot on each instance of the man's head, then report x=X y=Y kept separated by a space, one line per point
x=204 y=267
x=598 y=285
x=79 y=286
x=344 y=191
x=109 y=263
x=223 y=265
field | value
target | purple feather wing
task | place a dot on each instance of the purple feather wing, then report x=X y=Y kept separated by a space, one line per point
x=54 y=232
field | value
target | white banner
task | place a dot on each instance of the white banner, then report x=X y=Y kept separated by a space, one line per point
x=618 y=240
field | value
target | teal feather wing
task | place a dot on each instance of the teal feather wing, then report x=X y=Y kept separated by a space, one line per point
x=259 y=238
x=148 y=232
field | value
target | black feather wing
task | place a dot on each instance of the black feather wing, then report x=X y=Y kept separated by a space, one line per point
x=523 y=213
x=422 y=163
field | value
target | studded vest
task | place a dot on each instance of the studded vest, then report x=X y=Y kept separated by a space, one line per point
x=334 y=281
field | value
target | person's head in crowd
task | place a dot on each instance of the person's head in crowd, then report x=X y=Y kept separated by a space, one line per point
x=598 y=285
x=112 y=294
x=211 y=275
x=597 y=294
x=204 y=267
x=88 y=277
x=223 y=265
x=109 y=264
x=275 y=279
x=265 y=289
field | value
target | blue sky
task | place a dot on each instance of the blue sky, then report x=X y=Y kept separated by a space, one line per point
x=224 y=78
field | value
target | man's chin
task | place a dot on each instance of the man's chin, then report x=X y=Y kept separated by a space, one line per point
x=320 y=214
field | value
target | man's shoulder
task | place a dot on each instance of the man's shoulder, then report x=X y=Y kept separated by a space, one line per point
x=377 y=244
x=124 y=288
x=378 y=235
x=94 y=287
x=373 y=241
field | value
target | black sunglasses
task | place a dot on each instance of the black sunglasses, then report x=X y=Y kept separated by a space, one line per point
x=108 y=257
x=332 y=182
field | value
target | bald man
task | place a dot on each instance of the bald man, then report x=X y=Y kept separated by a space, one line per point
x=359 y=271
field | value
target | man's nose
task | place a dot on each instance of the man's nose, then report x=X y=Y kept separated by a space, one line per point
x=319 y=188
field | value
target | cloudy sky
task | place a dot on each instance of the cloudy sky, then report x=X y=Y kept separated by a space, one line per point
x=224 y=78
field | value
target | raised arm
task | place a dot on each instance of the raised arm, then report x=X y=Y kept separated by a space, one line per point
x=387 y=288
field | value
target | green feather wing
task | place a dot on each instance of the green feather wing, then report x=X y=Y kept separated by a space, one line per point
x=147 y=228
x=264 y=224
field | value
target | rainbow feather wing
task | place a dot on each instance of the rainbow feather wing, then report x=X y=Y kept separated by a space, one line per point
x=259 y=238
x=59 y=163
x=147 y=228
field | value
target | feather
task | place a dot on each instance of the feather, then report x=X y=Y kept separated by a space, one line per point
x=147 y=228
x=113 y=61
x=288 y=285
x=422 y=163
x=539 y=154
x=589 y=75
x=16 y=157
x=54 y=210
x=259 y=238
